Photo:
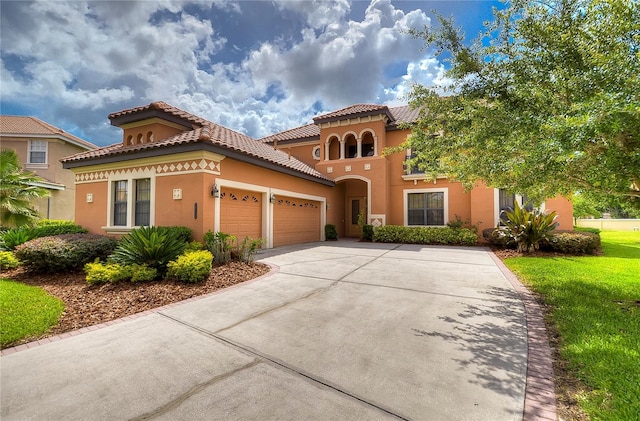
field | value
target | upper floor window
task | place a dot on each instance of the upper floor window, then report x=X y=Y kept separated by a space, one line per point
x=37 y=152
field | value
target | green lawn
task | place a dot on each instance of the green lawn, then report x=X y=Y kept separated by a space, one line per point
x=596 y=309
x=25 y=311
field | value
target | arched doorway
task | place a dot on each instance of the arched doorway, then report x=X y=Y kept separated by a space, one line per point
x=356 y=203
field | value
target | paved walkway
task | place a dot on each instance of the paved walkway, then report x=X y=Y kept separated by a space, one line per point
x=345 y=331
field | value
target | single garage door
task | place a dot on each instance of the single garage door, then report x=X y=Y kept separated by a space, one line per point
x=241 y=213
x=295 y=221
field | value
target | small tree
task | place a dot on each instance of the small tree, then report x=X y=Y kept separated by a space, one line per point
x=18 y=189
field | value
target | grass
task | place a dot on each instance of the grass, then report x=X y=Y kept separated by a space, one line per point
x=25 y=311
x=595 y=304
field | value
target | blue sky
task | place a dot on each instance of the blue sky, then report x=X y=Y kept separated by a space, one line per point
x=258 y=67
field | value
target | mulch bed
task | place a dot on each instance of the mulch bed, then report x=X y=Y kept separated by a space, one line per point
x=90 y=305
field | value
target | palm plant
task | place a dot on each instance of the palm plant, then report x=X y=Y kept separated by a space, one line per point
x=151 y=246
x=528 y=228
x=18 y=189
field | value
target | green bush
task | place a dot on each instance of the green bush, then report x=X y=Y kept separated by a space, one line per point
x=99 y=273
x=194 y=266
x=572 y=242
x=498 y=238
x=367 y=232
x=151 y=246
x=12 y=238
x=246 y=250
x=330 y=232
x=220 y=245
x=64 y=252
x=8 y=260
x=424 y=235
x=184 y=234
x=528 y=228
x=194 y=246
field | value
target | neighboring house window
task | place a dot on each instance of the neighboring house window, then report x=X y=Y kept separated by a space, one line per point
x=426 y=208
x=143 y=202
x=37 y=152
x=139 y=210
x=120 y=203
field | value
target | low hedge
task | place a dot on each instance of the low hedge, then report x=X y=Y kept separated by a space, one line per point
x=12 y=238
x=572 y=242
x=64 y=252
x=191 y=267
x=425 y=235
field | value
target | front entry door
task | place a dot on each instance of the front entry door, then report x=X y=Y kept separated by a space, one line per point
x=356 y=206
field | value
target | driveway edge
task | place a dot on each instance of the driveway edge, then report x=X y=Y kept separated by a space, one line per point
x=22 y=347
x=540 y=395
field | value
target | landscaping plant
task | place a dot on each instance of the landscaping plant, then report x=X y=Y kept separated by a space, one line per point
x=194 y=266
x=220 y=245
x=425 y=235
x=527 y=228
x=330 y=232
x=8 y=260
x=152 y=246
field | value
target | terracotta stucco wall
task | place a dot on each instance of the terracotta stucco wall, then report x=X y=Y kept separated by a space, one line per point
x=303 y=152
x=158 y=129
x=564 y=209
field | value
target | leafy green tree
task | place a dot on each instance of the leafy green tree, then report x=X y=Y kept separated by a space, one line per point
x=18 y=189
x=544 y=102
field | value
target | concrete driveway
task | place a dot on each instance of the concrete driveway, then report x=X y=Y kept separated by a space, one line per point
x=344 y=331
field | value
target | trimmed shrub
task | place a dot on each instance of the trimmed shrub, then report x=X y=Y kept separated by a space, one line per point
x=8 y=260
x=100 y=273
x=191 y=267
x=367 y=232
x=220 y=245
x=330 y=232
x=498 y=238
x=143 y=273
x=48 y=227
x=424 y=235
x=184 y=234
x=572 y=242
x=194 y=246
x=64 y=252
x=151 y=246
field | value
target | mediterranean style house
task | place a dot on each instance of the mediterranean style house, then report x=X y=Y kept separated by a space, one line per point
x=175 y=168
x=40 y=147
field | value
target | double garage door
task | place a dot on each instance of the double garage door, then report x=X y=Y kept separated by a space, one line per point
x=295 y=221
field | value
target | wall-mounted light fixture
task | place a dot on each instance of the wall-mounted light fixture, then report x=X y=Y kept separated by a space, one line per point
x=272 y=198
x=214 y=191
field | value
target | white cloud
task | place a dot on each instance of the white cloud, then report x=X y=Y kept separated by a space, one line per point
x=83 y=60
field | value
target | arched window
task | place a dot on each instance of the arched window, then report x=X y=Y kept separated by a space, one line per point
x=368 y=147
x=149 y=137
x=139 y=138
x=129 y=140
x=351 y=146
x=334 y=148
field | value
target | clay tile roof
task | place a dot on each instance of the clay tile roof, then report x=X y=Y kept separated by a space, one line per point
x=309 y=131
x=352 y=110
x=404 y=114
x=26 y=125
x=161 y=106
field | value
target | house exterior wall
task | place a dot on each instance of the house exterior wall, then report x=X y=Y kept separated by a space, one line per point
x=60 y=204
x=149 y=130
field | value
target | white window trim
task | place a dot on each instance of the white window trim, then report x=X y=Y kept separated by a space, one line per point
x=129 y=177
x=405 y=205
x=41 y=165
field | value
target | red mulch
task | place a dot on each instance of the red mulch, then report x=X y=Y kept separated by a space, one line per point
x=90 y=305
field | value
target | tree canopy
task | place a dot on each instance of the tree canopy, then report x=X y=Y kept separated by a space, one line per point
x=17 y=191
x=544 y=102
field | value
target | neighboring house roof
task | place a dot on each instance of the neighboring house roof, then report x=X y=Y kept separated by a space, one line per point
x=396 y=115
x=26 y=126
x=219 y=138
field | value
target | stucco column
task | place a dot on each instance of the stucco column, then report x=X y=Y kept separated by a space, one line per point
x=359 y=147
x=342 y=142
x=326 y=151
x=375 y=145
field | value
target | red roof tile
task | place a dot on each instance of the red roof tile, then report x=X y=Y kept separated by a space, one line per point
x=351 y=110
x=161 y=106
x=27 y=125
x=302 y=132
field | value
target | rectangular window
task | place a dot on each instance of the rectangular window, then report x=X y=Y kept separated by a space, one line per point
x=120 y=203
x=143 y=202
x=425 y=208
x=37 y=152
